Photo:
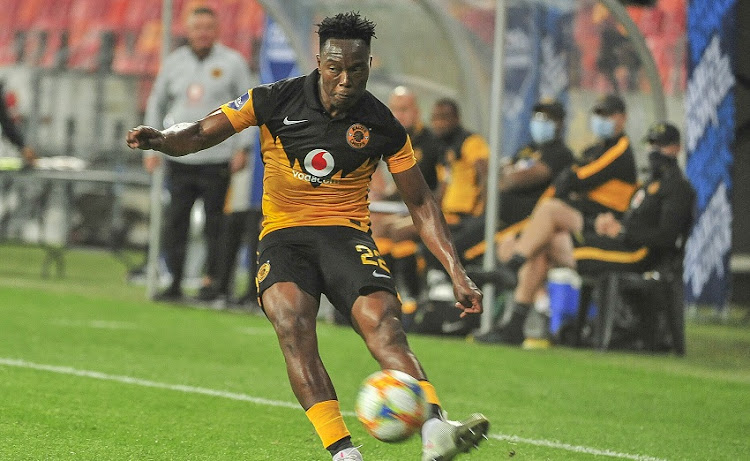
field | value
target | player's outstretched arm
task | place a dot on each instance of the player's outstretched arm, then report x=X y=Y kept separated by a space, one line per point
x=183 y=138
x=430 y=222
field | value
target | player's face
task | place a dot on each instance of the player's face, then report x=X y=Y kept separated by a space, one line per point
x=344 y=66
x=202 y=32
x=404 y=108
x=443 y=119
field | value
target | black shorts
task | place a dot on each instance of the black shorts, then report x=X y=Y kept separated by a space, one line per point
x=341 y=262
x=598 y=254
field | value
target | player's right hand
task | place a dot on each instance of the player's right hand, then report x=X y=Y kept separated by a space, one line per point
x=145 y=137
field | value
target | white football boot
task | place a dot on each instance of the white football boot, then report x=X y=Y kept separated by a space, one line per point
x=348 y=454
x=443 y=439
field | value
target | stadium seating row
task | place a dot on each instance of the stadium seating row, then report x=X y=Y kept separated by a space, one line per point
x=123 y=34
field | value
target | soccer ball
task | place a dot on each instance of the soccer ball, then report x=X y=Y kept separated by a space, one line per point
x=391 y=405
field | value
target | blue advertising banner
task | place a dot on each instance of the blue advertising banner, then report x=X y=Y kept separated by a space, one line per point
x=710 y=114
x=277 y=61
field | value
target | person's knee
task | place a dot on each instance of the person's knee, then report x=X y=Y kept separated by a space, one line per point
x=378 y=321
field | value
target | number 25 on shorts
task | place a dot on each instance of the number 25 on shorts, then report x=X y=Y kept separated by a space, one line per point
x=371 y=257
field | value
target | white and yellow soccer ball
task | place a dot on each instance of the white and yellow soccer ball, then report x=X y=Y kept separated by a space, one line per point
x=391 y=405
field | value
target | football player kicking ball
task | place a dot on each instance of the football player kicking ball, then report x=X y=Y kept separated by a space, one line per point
x=322 y=136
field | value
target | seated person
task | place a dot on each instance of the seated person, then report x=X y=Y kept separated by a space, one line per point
x=659 y=215
x=524 y=179
x=460 y=181
x=605 y=178
x=602 y=181
x=394 y=234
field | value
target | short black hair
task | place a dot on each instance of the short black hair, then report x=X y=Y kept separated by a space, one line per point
x=348 y=26
x=449 y=102
x=204 y=10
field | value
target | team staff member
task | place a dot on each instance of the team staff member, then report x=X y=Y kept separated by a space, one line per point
x=525 y=179
x=659 y=215
x=465 y=174
x=602 y=182
x=396 y=236
x=605 y=179
x=322 y=136
x=193 y=80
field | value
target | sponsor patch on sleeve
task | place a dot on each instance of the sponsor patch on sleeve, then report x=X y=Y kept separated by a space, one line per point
x=238 y=103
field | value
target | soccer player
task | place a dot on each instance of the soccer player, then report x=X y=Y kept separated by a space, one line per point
x=322 y=136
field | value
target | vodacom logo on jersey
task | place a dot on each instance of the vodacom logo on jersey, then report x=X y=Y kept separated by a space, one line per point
x=318 y=164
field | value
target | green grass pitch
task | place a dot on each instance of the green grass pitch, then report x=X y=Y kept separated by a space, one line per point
x=90 y=370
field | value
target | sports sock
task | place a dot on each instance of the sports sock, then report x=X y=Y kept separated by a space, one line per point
x=329 y=424
x=515 y=262
x=339 y=445
x=432 y=398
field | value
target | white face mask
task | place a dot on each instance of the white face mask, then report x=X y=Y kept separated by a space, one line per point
x=602 y=127
x=542 y=129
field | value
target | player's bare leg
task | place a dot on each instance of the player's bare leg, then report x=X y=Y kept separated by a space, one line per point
x=293 y=313
x=549 y=217
x=376 y=319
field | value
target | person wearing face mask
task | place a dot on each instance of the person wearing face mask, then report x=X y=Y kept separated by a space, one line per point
x=602 y=181
x=605 y=178
x=524 y=179
x=657 y=220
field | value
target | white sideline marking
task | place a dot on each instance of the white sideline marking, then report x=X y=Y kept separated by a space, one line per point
x=295 y=406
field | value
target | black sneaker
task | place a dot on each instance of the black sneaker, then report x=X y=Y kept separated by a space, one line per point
x=170 y=295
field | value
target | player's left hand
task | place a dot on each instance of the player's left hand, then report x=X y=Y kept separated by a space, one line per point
x=468 y=296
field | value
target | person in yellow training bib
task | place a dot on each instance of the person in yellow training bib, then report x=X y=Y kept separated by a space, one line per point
x=322 y=136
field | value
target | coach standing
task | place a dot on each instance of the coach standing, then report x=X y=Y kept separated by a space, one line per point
x=193 y=80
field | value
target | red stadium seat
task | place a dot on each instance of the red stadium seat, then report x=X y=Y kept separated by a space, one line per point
x=8 y=28
x=87 y=24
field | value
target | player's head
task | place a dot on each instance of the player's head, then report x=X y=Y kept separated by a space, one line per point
x=403 y=104
x=608 y=117
x=664 y=140
x=445 y=117
x=546 y=121
x=344 y=59
x=202 y=29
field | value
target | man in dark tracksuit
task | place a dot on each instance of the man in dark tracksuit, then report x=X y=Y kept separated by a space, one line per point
x=658 y=217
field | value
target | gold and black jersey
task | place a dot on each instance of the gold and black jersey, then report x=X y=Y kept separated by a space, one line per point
x=318 y=167
x=463 y=194
x=607 y=178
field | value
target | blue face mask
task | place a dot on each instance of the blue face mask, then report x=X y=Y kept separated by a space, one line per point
x=602 y=127
x=542 y=130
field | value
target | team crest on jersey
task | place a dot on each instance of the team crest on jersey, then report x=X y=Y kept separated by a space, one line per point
x=263 y=271
x=216 y=72
x=653 y=187
x=239 y=102
x=358 y=136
